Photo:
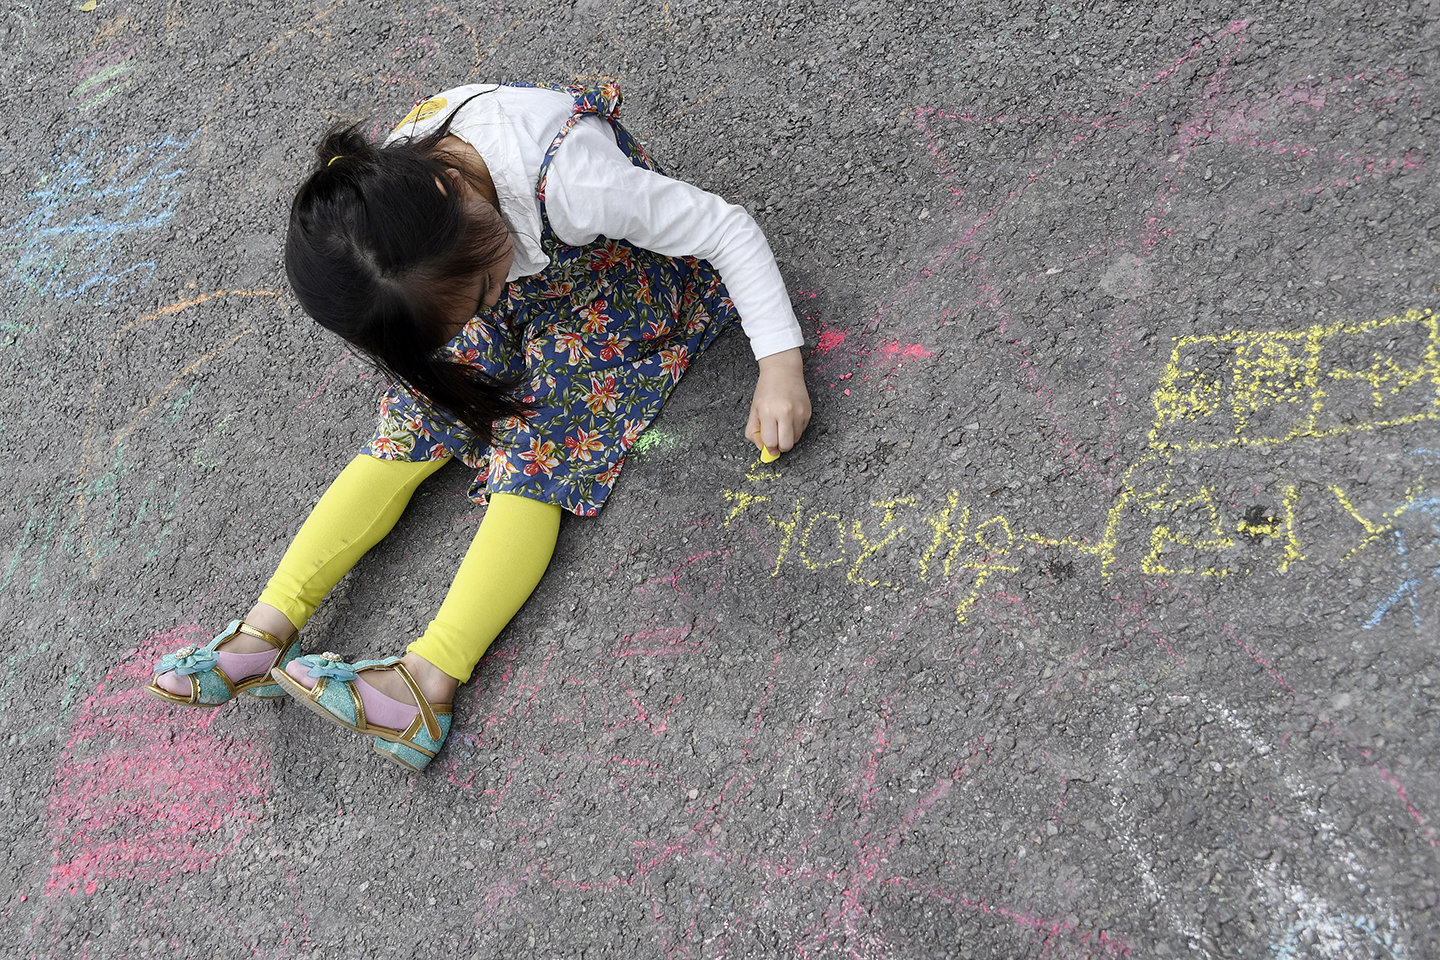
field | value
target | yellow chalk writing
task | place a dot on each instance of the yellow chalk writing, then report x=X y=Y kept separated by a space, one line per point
x=944 y=534
x=1292 y=542
x=868 y=548
x=743 y=501
x=835 y=519
x=789 y=530
x=1163 y=536
x=1373 y=531
x=1274 y=386
x=1188 y=506
x=987 y=566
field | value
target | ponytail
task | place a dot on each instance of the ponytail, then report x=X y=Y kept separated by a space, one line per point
x=378 y=254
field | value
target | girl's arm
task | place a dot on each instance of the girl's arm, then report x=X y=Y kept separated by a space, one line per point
x=615 y=198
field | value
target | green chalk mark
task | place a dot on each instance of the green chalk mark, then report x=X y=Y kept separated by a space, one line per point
x=46 y=542
x=101 y=77
x=105 y=94
x=177 y=408
x=19 y=547
x=655 y=440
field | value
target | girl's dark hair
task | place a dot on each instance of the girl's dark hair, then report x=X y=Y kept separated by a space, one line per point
x=378 y=254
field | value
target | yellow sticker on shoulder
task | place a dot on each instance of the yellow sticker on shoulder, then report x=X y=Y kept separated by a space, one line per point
x=424 y=110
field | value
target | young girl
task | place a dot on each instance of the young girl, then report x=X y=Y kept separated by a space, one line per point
x=536 y=288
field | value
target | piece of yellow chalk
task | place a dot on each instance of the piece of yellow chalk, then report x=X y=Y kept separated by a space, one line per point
x=766 y=456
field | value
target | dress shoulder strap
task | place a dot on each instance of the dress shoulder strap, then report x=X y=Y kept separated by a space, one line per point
x=604 y=102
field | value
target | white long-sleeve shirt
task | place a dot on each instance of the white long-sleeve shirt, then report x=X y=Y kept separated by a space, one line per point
x=593 y=189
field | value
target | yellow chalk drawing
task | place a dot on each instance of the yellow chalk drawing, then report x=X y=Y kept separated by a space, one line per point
x=743 y=501
x=872 y=548
x=1223 y=407
x=1274 y=386
x=990 y=564
x=1215 y=538
x=1258 y=528
x=789 y=530
x=820 y=520
x=1292 y=542
x=1256 y=390
x=822 y=539
x=1373 y=531
x=944 y=534
x=1273 y=527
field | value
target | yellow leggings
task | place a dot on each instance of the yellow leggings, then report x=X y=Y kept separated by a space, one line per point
x=501 y=569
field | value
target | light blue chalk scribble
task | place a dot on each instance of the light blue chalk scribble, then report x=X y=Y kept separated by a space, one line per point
x=71 y=243
x=1335 y=935
x=1409 y=590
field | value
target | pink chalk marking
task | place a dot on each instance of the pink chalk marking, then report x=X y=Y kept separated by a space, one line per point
x=1210 y=123
x=907 y=351
x=829 y=339
x=1050 y=931
x=1244 y=644
x=642 y=715
x=1410 y=808
x=105 y=58
x=143 y=791
x=1383 y=772
x=329 y=378
x=660 y=642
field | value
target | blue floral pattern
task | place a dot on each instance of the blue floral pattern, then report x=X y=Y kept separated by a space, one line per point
x=598 y=339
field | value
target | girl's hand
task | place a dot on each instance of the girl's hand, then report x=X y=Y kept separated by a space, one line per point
x=780 y=411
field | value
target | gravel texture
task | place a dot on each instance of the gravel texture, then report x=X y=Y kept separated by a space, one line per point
x=1094 y=617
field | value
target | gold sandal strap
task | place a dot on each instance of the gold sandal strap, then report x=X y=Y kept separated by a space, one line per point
x=432 y=726
x=259 y=634
x=407 y=736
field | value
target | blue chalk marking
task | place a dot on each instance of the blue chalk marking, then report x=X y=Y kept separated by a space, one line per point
x=1409 y=589
x=1289 y=947
x=92 y=199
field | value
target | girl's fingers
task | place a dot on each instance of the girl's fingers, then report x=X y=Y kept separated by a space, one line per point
x=765 y=431
x=785 y=435
x=752 y=427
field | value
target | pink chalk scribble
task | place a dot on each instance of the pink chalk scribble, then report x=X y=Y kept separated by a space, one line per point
x=141 y=795
x=906 y=351
x=829 y=339
x=330 y=375
x=661 y=642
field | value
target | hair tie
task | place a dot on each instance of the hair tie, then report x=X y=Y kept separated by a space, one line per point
x=333 y=159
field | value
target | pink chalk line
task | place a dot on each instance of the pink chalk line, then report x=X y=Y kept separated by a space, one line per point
x=329 y=378
x=1370 y=755
x=141 y=793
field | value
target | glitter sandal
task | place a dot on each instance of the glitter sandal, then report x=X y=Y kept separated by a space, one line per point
x=338 y=697
x=210 y=685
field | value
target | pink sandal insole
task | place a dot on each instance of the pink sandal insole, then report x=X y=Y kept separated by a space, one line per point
x=236 y=666
x=380 y=710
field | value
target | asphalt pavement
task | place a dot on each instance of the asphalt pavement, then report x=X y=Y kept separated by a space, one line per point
x=1095 y=615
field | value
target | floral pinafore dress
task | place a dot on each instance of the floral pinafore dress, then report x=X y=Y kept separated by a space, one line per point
x=599 y=339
